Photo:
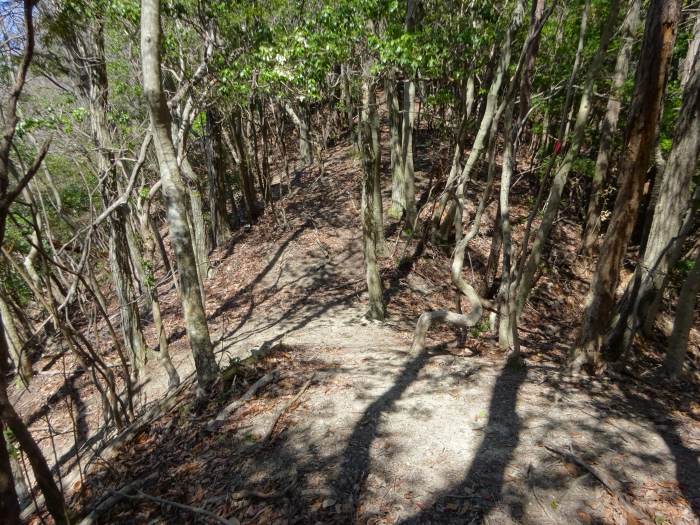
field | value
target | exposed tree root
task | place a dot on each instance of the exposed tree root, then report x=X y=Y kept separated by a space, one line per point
x=218 y=421
x=284 y=408
x=610 y=484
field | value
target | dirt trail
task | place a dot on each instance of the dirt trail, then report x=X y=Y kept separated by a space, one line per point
x=383 y=436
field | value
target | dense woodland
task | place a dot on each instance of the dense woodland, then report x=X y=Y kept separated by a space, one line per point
x=536 y=163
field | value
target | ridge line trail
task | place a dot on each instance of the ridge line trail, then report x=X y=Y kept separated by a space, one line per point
x=398 y=437
x=390 y=437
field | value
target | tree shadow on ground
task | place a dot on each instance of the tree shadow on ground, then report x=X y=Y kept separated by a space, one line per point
x=483 y=484
x=687 y=460
x=355 y=460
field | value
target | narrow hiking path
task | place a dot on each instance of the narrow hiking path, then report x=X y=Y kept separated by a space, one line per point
x=380 y=436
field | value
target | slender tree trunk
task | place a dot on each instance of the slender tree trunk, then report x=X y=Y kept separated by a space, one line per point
x=568 y=101
x=608 y=127
x=650 y=85
x=236 y=145
x=86 y=50
x=409 y=176
x=220 y=221
x=19 y=355
x=371 y=159
x=149 y=252
x=507 y=325
x=300 y=117
x=685 y=311
x=174 y=194
x=198 y=225
x=526 y=77
x=266 y=178
x=9 y=503
x=135 y=249
x=9 y=418
x=398 y=184
x=346 y=93
x=52 y=495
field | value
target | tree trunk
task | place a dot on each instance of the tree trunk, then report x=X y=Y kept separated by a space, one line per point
x=686 y=67
x=135 y=249
x=236 y=145
x=650 y=85
x=565 y=116
x=409 y=177
x=371 y=159
x=346 y=93
x=216 y=169
x=19 y=355
x=300 y=117
x=507 y=325
x=685 y=310
x=9 y=503
x=608 y=127
x=198 y=226
x=86 y=50
x=673 y=199
x=174 y=195
x=266 y=178
x=525 y=79
x=149 y=252
x=398 y=184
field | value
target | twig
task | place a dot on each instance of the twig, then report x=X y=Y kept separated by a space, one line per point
x=610 y=484
x=284 y=408
x=197 y=510
x=250 y=493
x=114 y=498
x=537 y=498
x=216 y=423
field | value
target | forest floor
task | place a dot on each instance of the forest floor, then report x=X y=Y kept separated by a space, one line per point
x=452 y=435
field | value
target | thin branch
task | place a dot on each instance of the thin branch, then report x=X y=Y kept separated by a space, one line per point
x=196 y=510
x=284 y=409
x=12 y=194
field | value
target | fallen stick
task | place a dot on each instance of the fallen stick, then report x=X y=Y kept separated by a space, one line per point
x=113 y=499
x=196 y=510
x=249 y=493
x=610 y=484
x=218 y=421
x=284 y=408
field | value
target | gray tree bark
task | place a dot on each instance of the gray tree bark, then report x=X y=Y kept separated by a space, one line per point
x=398 y=184
x=300 y=117
x=685 y=311
x=409 y=176
x=149 y=252
x=371 y=161
x=18 y=353
x=216 y=169
x=85 y=47
x=174 y=194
